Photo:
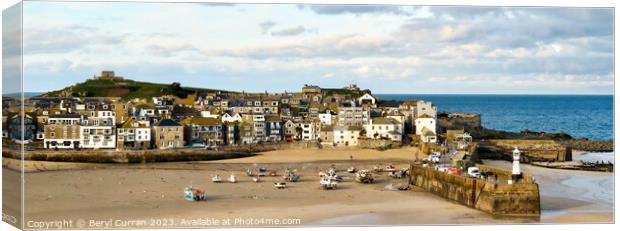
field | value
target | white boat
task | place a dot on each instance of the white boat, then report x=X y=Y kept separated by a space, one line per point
x=256 y=179
x=351 y=169
x=232 y=178
x=216 y=179
x=328 y=183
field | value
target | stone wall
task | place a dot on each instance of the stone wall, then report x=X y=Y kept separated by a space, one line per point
x=377 y=144
x=531 y=150
x=521 y=199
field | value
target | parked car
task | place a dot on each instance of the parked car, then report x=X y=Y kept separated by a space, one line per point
x=473 y=172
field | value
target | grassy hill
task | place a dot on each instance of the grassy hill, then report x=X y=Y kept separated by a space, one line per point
x=127 y=89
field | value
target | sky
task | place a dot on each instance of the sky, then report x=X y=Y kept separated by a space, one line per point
x=278 y=47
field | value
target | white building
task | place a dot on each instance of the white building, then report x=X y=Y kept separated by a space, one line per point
x=98 y=130
x=310 y=130
x=327 y=117
x=134 y=134
x=426 y=128
x=366 y=99
x=426 y=108
x=232 y=119
x=346 y=135
x=384 y=128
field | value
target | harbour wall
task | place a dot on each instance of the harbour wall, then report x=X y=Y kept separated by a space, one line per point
x=519 y=199
x=531 y=150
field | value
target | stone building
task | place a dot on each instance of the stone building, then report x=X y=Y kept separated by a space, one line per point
x=168 y=133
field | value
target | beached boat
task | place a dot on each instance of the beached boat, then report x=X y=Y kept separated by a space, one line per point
x=249 y=172
x=291 y=176
x=256 y=179
x=351 y=169
x=194 y=194
x=397 y=174
x=216 y=179
x=390 y=168
x=377 y=169
x=279 y=185
x=364 y=176
x=232 y=178
x=328 y=183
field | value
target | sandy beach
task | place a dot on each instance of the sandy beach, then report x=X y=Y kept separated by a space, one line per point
x=153 y=193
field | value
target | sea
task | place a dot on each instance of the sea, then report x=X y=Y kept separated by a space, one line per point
x=581 y=116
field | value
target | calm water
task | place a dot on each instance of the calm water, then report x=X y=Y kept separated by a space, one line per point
x=580 y=116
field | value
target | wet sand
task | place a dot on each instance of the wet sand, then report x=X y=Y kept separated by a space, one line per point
x=153 y=193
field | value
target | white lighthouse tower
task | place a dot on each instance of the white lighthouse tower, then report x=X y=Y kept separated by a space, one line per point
x=516 y=169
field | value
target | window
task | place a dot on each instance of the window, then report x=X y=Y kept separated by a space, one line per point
x=52 y=134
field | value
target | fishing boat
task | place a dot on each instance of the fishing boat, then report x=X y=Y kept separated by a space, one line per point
x=249 y=172
x=232 y=178
x=194 y=194
x=328 y=183
x=216 y=179
x=364 y=177
x=291 y=176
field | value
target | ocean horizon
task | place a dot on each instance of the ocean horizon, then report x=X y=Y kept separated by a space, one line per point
x=581 y=116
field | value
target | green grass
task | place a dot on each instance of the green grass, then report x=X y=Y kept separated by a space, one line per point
x=127 y=89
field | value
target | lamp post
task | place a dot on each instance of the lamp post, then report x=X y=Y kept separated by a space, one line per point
x=516 y=169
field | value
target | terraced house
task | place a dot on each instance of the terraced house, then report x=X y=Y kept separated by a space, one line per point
x=62 y=131
x=133 y=134
x=168 y=133
x=203 y=132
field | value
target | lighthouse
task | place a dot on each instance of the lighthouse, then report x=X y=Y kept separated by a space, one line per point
x=516 y=169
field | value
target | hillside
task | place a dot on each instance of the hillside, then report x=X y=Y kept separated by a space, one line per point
x=127 y=89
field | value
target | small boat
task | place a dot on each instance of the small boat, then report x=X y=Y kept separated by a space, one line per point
x=194 y=194
x=249 y=172
x=260 y=174
x=328 y=183
x=291 y=177
x=390 y=168
x=377 y=169
x=232 y=178
x=273 y=173
x=216 y=179
x=351 y=169
x=256 y=179
x=364 y=177
x=279 y=185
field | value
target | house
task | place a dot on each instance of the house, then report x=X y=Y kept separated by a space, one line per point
x=352 y=116
x=167 y=133
x=62 y=131
x=273 y=128
x=133 y=134
x=427 y=108
x=310 y=130
x=246 y=133
x=18 y=126
x=327 y=117
x=327 y=135
x=367 y=99
x=201 y=131
x=384 y=128
x=98 y=130
x=291 y=131
x=231 y=133
x=346 y=135
x=232 y=119
x=425 y=127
